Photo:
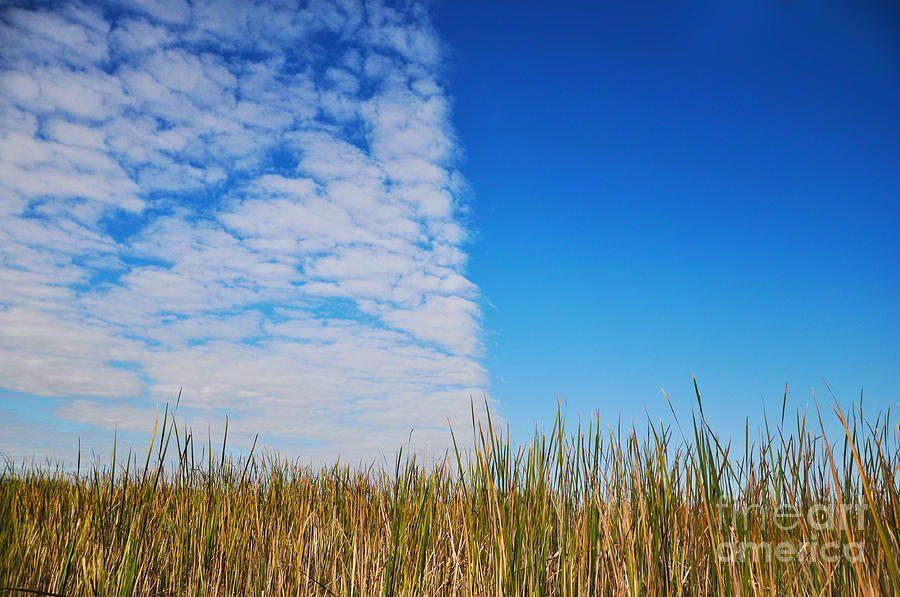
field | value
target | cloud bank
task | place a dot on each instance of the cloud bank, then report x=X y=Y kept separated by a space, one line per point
x=256 y=202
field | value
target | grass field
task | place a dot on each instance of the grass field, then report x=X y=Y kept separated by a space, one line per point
x=583 y=510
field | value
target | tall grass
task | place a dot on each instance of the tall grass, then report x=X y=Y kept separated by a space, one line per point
x=587 y=510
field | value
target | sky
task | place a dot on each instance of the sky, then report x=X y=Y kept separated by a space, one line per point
x=664 y=189
x=338 y=222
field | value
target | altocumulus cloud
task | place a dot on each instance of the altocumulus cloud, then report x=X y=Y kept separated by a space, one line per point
x=255 y=201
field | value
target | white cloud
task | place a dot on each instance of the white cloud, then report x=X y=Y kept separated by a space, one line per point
x=253 y=201
x=172 y=12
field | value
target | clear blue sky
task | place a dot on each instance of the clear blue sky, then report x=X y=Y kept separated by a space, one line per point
x=336 y=221
x=668 y=188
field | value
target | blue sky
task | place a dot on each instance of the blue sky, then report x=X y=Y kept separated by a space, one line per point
x=338 y=221
x=668 y=188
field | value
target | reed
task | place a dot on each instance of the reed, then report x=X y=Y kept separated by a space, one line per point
x=589 y=510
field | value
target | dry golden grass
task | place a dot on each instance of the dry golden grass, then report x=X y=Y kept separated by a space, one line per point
x=589 y=511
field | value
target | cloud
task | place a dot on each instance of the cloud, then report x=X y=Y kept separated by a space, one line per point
x=253 y=201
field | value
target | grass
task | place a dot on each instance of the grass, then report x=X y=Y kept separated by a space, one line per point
x=667 y=510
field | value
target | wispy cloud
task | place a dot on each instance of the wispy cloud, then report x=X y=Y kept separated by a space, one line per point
x=254 y=201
